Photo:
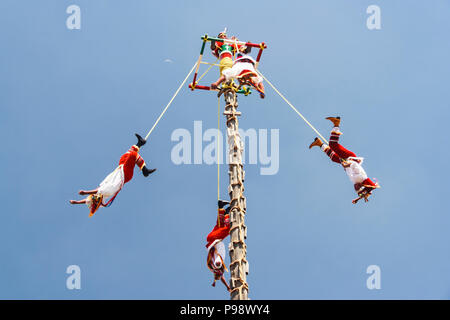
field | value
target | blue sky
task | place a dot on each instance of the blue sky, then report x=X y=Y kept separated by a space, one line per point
x=71 y=101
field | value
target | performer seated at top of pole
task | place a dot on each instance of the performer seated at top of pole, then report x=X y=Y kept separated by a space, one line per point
x=114 y=182
x=244 y=71
x=351 y=163
x=224 y=51
x=216 y=249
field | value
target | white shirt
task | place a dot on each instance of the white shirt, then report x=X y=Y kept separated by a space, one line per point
x=355 y=171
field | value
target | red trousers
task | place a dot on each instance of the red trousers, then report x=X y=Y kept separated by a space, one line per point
x=221 y=229
x=336 y=152
x=218 y=233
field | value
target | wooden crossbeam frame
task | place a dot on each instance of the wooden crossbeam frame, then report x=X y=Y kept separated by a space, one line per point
x=194 y=85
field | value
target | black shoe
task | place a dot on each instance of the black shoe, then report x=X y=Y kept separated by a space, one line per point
x=222 y=203
x=141 y=141
x=146 y=172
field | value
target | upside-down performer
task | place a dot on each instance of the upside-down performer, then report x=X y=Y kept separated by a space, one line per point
x=216 y=249
x=244 y=71
x=113 y=183
x=351 y=163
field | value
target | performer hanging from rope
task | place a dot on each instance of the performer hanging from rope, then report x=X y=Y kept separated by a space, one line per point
x=244 y=71
x=114 y=182
x=216 y=249
x=351 y=163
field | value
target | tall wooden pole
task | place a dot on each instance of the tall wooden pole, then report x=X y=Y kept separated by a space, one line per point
x=238 y=231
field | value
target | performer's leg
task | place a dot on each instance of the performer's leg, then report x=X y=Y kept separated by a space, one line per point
x=338 y=148
x=341 y=151
x=85 y=192
x=261 y=87
x=328 y=151
x=146 y=172
x=334 y=139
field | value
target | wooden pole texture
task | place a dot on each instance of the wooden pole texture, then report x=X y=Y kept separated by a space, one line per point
x=238 y=230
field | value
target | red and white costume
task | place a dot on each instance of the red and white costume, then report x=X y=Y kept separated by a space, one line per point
x=113 y=183
x=349 y=160
x=242 y=64
x=216 y=258
x=216 y=249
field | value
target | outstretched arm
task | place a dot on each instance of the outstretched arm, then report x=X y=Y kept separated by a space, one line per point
x=141 y=164
x=364 y=194
x=214 y=85
x=85 y=192
x=225 y=283
x=78 y=202
x=214 y=49
x=355 y=201
x=139 y=160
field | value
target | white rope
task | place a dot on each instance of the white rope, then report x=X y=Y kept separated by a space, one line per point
x=170 y=102
x=293 y=108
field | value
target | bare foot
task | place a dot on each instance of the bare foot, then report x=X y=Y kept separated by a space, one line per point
x=82 y=192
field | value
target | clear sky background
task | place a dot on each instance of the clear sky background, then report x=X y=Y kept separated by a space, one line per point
x=71 y=101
